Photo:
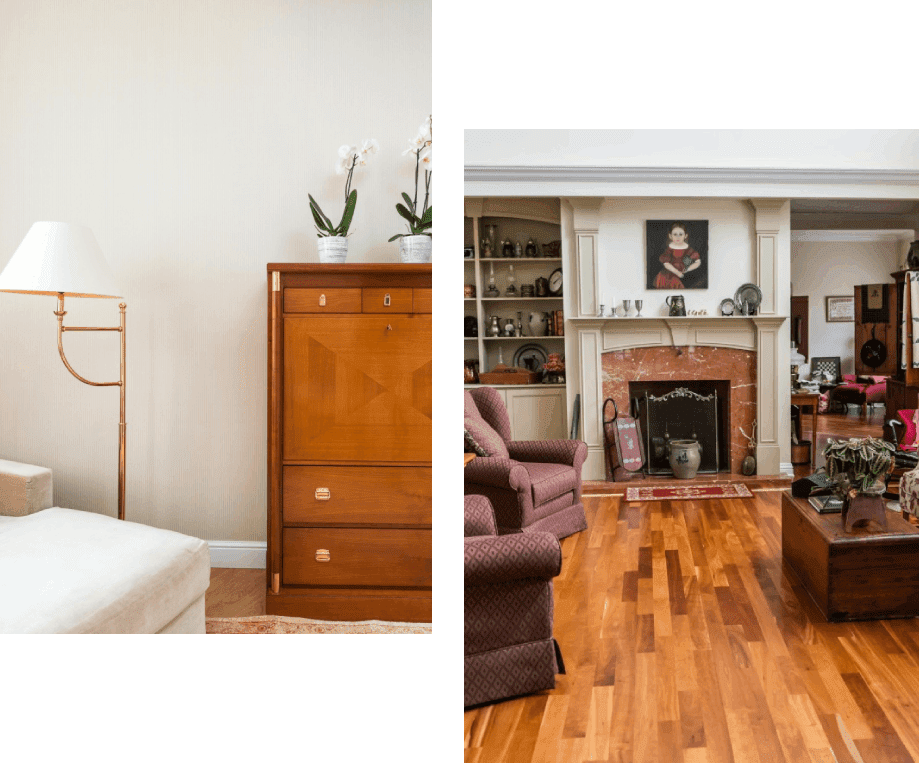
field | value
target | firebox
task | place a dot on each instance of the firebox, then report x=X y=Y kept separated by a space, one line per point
x=683 y=410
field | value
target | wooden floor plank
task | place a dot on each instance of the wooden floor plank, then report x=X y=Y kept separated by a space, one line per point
x=688 y=639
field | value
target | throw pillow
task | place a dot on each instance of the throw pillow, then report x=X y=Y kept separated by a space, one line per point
x=909 y=419
x=471 y=446
x=482 y=433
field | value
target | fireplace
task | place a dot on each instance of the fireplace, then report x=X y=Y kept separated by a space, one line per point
x=727 y=374
x=684 y=410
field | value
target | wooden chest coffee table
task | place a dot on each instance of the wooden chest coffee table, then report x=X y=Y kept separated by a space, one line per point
x=862 y=575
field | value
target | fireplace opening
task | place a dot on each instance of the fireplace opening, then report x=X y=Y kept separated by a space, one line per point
x=697 y=409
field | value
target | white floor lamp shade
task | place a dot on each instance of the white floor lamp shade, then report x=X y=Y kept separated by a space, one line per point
x=59 y=258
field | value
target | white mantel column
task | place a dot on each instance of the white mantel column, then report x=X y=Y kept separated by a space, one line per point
x=586 y=220
x=773 y=268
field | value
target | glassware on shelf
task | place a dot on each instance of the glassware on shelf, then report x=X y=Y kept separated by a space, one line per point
x=518 y=250
x=602 y=308
x=491 y=236
x=626 y=306
x=492 y=290
x=638 y=304
x=487 y=248
x=511 y=290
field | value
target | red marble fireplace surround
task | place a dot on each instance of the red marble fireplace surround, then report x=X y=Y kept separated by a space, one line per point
x=619 y=367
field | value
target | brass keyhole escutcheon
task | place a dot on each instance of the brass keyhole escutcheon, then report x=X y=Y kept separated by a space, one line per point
x=322 y=300
x=323 y=555
x=387 y=301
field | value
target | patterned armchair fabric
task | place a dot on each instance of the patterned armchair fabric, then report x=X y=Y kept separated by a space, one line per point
x=508 y=644
x=537 y=487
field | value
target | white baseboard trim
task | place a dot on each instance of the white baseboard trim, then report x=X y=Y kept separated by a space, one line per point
x=787 y=469
x=245 y=554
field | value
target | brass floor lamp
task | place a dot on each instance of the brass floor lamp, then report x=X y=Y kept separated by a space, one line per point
x=64 y=260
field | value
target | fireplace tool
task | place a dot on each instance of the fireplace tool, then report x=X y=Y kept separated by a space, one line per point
x=625 y=453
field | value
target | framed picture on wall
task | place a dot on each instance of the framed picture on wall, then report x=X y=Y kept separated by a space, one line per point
x=676 y=254
x=840 y=309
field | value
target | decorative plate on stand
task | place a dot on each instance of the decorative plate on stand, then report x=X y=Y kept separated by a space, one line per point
x=533 y=353
x=750 y=294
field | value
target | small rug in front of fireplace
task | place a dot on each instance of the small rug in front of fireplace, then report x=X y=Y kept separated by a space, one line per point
x=689 y=492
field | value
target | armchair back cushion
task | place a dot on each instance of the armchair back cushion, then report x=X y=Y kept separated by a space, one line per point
x=481 y=431
x=908 y=417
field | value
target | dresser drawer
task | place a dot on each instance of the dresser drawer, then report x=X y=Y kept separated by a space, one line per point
x=399 y=300
x=357 y=495
x=356 y=557
x=421 y=300
x=298 y=300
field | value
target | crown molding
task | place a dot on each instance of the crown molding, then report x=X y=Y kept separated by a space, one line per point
x=586 y=174
x=884 y=236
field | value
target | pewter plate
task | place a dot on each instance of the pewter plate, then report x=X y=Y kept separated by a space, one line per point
x=530 y=351
x=749 y=293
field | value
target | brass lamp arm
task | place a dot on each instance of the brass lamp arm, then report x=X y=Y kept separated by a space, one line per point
x=60 y=313
x=122 y=426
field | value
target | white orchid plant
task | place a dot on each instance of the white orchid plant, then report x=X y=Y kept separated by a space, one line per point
x=420 y=148
x=349 y=159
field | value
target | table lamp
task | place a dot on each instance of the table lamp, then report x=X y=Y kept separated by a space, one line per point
x=797 y=359
x=63 y=260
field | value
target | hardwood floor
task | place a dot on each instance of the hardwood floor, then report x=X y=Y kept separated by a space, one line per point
x=686 y=639
x=235 y=593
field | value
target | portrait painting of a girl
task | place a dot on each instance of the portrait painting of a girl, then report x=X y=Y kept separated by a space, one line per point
x=677 y=254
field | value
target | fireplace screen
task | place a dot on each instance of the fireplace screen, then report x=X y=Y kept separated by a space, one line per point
x=679 y=415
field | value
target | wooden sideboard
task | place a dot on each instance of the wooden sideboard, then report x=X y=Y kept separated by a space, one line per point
x=349 y=441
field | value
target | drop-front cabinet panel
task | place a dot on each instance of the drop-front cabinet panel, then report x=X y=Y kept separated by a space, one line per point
x=349 y=442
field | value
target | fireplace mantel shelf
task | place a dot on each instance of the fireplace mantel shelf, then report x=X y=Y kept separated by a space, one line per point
x=739 y=332
x=684 y=320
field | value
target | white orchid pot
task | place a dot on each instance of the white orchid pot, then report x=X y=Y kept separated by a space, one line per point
x=415 y=248
x=332 y=248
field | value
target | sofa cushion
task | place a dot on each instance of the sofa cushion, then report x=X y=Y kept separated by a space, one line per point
x=482 y=433
x=66 y=571
x=550 y=480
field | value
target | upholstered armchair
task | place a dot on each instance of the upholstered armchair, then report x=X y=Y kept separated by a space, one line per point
x=508 y=644
x=534 y=486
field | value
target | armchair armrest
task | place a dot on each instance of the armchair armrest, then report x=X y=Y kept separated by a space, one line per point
x=495 y=471
x=24 y=489
x=478 y=517
x=506 y=558
x=568 y=452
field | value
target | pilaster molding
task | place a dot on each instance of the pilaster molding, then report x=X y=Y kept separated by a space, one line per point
x=589 y=349
x=769 y=222
x=586 y=213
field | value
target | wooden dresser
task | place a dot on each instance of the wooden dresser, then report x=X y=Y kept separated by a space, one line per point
x=349 y=441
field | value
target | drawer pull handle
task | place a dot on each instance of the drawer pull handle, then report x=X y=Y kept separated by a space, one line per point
x=389 y=327
x=386 y=301
x=323 y=494
x=322 y=300
x=323 y=555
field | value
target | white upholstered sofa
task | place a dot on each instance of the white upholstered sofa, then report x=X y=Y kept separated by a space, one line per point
x=66 y=571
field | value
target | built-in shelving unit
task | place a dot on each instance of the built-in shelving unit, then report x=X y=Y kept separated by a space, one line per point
x=536 y=410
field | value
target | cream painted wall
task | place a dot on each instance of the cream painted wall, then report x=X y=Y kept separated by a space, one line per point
x=186 y=134
x=833 y=268
x=837 y=149
x=731 y=247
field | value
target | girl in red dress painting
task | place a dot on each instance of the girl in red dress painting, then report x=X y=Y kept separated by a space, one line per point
x=678 y=260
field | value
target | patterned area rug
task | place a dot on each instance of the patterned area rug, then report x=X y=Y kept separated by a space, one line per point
x=279 y=624
x=689 y=492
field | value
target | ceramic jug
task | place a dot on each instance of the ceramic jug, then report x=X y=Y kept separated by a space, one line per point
x=685 y=457
x=539 y=323
x=676 y=304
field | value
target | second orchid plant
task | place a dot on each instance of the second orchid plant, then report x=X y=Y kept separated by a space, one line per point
x=419 y=223
x=349 y=158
